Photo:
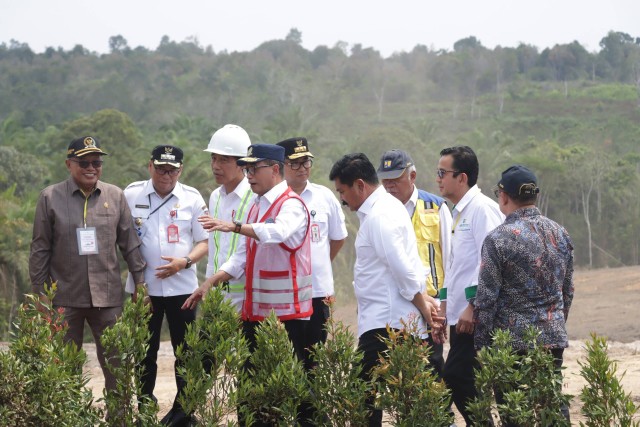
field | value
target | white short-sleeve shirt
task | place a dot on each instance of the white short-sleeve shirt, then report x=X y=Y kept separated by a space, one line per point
x=153 y=217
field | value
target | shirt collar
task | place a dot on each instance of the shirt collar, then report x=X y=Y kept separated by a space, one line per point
x=240 y=189
x=412 y=202
x=275 y=192
x=178 y=190
x=467 y=198
x=370 y=201
x=522 y=213
x=73 y=187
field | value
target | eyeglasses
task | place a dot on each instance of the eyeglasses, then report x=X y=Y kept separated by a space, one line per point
x=170 y=172
x=296 y=165
x=442 y=172
x=251 y=170
x=84 y=164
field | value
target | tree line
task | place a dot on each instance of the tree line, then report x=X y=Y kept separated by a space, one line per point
x=571 y=115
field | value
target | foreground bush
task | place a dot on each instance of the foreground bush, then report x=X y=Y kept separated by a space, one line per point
x=275 y=385
x=338 y=393
x=604 y=401
x=126 y=344
x=407 y=389
x=531 y=388
x=41 y=377
x=212 y=360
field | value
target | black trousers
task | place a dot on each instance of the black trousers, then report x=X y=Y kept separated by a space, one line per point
x=315 y=331
x=436 y=359
x=371 y=345
x=458 y=371
x=178 y=320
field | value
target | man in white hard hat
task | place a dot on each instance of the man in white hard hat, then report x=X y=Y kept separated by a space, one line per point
x=229 y=202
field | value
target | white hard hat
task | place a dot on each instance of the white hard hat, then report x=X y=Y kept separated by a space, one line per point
x=230 y=140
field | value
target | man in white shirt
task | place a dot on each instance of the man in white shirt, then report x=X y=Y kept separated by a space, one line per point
x=277 y=226
x=327 y=233
x=474 y=216
x=389 y=278
x=431 y=220
x=165 y=213
x=230 y=201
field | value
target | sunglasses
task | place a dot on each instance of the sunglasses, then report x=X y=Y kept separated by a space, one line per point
x=84 y=164
x=442 y=172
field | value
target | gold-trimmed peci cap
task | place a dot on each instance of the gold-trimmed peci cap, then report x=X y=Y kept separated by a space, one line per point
x=294 y=148
x=84 y=145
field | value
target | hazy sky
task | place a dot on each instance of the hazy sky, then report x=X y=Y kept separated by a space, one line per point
x=388 y=26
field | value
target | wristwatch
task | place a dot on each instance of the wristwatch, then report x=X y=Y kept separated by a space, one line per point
x=189 y=262
x=238 y=226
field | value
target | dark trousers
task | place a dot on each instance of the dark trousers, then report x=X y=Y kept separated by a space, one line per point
x=98 y=318
x=371 y=345
x=458 y=371
x=557 y=362
x=178 y=320
x=295 y=330
x=315 y=332
x=436 y=359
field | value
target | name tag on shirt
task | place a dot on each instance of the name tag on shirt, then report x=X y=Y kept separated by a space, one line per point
x=87 y=241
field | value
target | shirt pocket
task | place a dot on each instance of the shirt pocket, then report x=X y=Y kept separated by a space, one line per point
x=429 y=224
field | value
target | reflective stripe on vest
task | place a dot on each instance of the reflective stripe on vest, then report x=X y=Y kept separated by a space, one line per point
x=278 y=278
x=426 y=225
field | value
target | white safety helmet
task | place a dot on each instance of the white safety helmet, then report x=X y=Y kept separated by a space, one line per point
x=230 y=140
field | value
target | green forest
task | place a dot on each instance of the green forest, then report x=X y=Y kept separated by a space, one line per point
x=571 y=115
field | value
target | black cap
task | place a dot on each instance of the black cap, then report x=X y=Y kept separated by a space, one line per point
x=393 y=163
x=259 y=152
x=167 y=155
x=518 y=180
x=294 y=148
x=84 y=145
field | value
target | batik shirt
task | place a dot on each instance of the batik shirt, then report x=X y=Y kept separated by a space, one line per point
x=526 y=278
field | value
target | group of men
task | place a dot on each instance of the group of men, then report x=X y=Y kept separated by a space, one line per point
x=270 y=235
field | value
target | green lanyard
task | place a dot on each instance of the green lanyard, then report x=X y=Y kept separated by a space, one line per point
x=244 y=202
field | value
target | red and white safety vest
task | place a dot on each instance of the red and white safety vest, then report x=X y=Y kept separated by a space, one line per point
x=278 y=277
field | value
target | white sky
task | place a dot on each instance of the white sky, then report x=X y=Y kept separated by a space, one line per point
x=387 y=26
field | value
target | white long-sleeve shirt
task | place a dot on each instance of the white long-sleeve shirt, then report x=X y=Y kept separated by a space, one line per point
x=388 y=272
x=474 y=217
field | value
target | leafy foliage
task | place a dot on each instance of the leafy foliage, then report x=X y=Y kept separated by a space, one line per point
x=42 y=380
x=407 y=388
x=212 y=361
x=126 y=344
x=338 y=393
x=531 y=389
x=275 y=384
x=605 y=402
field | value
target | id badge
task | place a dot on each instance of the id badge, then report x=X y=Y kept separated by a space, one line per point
x=173 y=235
x=87 y=241
x=315 y=233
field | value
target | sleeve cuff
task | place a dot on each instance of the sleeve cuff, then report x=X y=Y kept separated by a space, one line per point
x=470 y=292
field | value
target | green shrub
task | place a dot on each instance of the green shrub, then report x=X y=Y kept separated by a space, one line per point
x=212 y=360
x=531 y=388
x=42 y=381
x=275 y=385
x=604 y=401
x=407 y=388
x=126 y=344
x=338 y=393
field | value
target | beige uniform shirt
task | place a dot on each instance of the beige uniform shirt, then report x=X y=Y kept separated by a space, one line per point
x=83 y=280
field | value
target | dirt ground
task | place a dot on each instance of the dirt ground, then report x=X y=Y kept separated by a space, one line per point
x=604 y=303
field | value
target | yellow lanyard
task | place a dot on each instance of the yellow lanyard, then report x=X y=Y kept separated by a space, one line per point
x=84 y=213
